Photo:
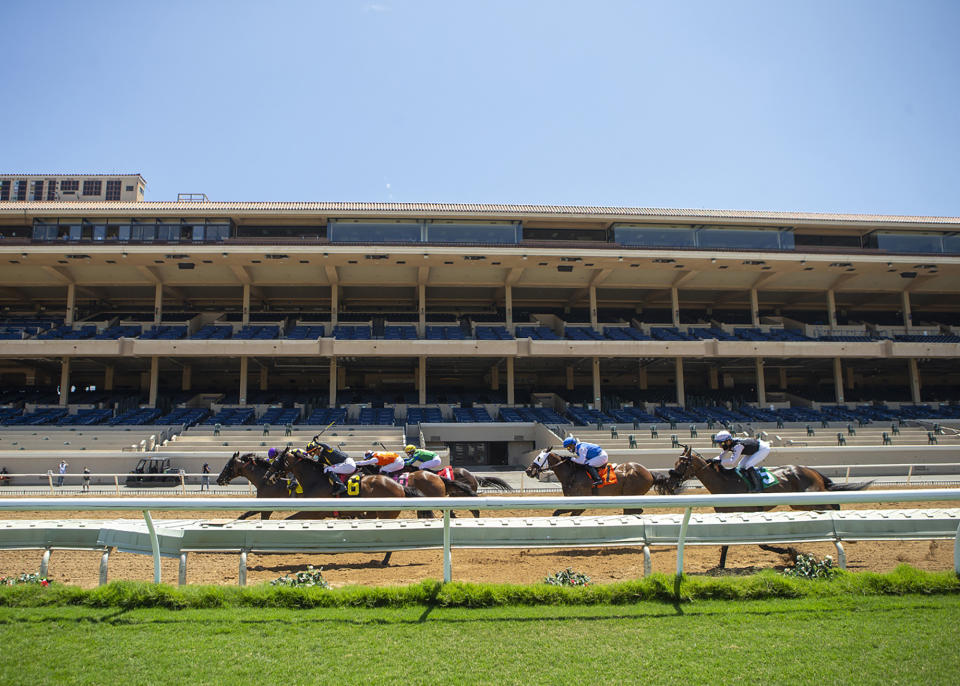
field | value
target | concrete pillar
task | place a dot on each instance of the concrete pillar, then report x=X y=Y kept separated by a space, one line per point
x=754 y=307
x=264 y=372
x=642 y=378
x=508 y=297
x=850 y=379
x=596 y=382
x=157 y=303
x=422 y=379
x=422 y=310
x=838 y=379
x=494 y=377
x=783 y=378
x=714 y=378
x=71 y=304
x=334 y=306
x=675 y=305
x=594 y=317
x=154 y=381
x=907 y=314
x=244 y=371
x=186 y=379
x=831 y=308
x=245 y=306
x=108 y=373
x=64 y=381
x=761 y=383
x=333 y=382
x=569 y=385
x=914 y=379
x=681 y=395
x=510 y=396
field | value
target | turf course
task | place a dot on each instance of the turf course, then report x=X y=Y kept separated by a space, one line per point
x=896 y=628
x=872 y=640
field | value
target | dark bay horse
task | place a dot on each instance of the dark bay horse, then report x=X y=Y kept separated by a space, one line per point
x=632 y=479
x=254 y=469
x=475 y=482
x=716 y=479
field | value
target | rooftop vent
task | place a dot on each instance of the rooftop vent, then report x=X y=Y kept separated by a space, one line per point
x=192 y=197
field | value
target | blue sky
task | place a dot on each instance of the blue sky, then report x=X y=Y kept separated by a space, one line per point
x=824 y=106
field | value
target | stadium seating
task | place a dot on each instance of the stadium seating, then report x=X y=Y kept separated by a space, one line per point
x=351 y=332
x=232 y=416
x=471 y=414
x=493 y=333
x=381 y=416
x=417 y=415
x=305 y=333
x=327 y=415
x=87 y=417
x=143 y=415
x=165 y=333
x=211 y=332
x=189 y=416
x=257 y=333
x=540 y=333
x=399 y=333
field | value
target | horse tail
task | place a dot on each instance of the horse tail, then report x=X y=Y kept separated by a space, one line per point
x=830 y=486
x=494 y=482
x=663 y=485
x=411 y=492
x=458 y=488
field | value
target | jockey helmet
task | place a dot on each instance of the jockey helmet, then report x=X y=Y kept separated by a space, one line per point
x=569 y=442
x=722 y=436
x=410 y=449
x=368 y=454
x=312 y=447
x=272 y=453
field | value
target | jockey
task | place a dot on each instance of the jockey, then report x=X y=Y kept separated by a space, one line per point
x=389 y=463
x=749 y=452
x=337 y=463
x=589 y=455
x=272 y=454
x=426 y=458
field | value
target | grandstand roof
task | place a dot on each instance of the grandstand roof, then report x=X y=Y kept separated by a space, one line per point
x=473 y=209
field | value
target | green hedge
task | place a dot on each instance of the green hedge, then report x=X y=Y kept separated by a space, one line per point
x=655 y=588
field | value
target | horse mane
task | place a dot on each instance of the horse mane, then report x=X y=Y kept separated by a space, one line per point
x=256 y=459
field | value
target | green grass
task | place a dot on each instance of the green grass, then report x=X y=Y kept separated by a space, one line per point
x=841 y=639
x=657 y=587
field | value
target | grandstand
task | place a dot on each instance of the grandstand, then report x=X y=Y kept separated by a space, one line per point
x=195 y=315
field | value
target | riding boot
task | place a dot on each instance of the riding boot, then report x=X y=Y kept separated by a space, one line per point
x=754 y=474
x=739 y=472
x=339 y=488
x=592 y=471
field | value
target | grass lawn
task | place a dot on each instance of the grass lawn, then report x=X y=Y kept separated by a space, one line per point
x=912 y=639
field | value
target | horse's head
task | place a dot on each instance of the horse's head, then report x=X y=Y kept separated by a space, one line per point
x=685 y=468
x=280 y=465
x=230 y=471
x=540 y=463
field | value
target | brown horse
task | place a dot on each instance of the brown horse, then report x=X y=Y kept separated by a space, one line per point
x=254 y=469
x=716 y=479
x=632 y=478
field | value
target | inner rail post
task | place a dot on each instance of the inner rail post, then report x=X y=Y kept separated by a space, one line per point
x=681 y=543
x=447 y=564
x=154 y=545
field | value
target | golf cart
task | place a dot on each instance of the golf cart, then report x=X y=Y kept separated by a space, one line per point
x=154 y=471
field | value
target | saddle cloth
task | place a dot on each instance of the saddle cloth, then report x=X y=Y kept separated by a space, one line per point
x=608 y=475
x=766 y=477
x=446 y=473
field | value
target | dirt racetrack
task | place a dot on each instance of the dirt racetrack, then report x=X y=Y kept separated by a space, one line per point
x=602 y=565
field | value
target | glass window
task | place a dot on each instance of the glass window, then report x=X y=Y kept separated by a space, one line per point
x=951 y=244
x=218 y=232
x=148 y=233
x=355 y=232
x=197 y=233
x=655 y=236
x=735 y=238
x=92 y=187
x=123 y=232
x=76 y=233
x=910 y=242
x=473 y=233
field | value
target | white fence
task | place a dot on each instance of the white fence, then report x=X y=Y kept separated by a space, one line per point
x=557 y=532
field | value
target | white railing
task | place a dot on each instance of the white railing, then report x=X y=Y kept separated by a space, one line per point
x=684 y=502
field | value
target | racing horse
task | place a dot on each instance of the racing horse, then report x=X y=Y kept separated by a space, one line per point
x=632 y=478
x=254 y=469
x=422 y=480
x=717 y=480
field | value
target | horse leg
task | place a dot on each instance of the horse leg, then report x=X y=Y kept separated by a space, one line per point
x=723 y=557
x=386 y=559
x=573 y=513
x=637 y=511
